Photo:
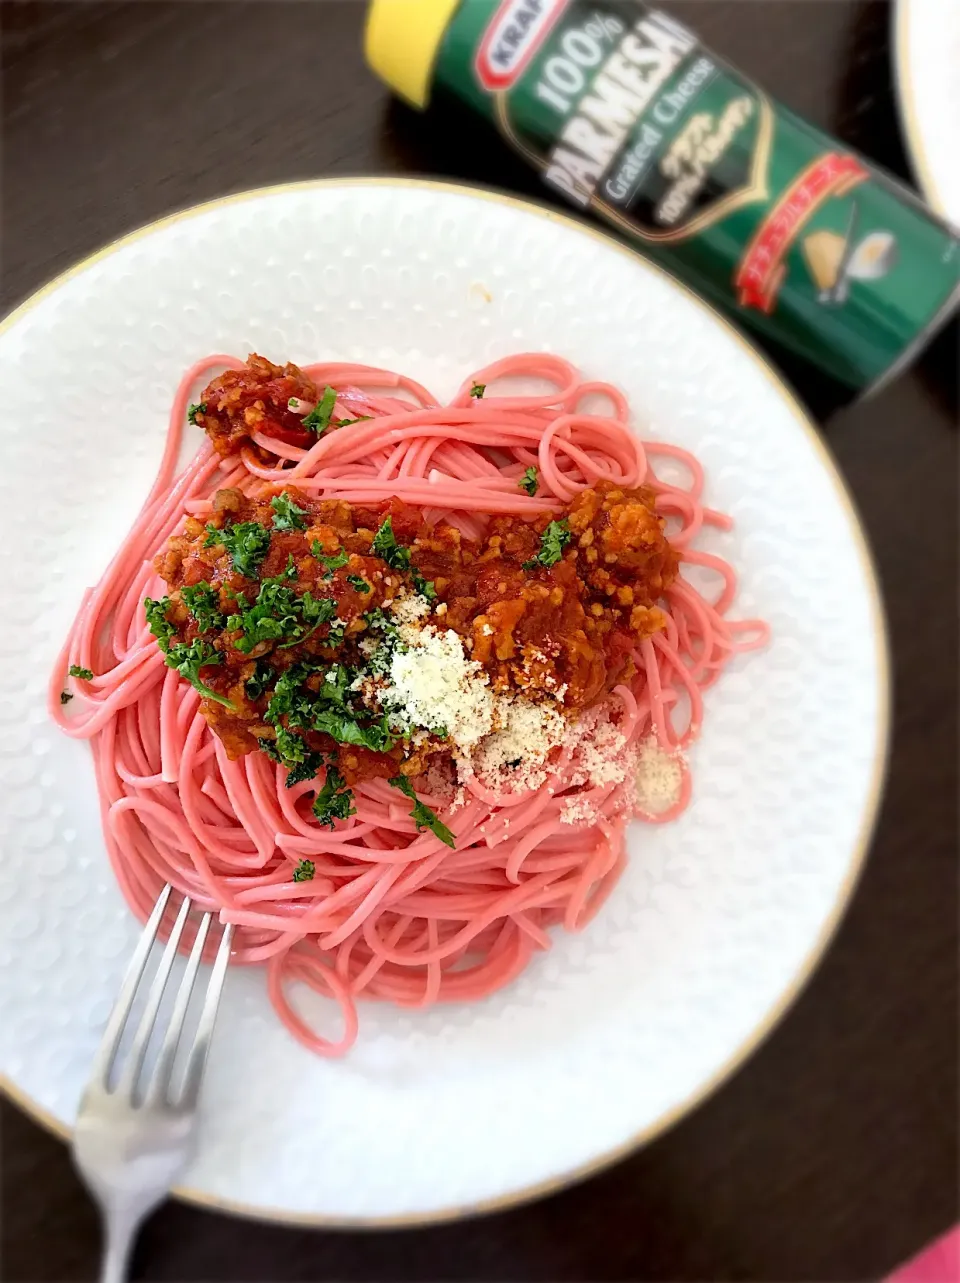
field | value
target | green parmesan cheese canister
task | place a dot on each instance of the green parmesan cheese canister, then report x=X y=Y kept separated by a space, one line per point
x=627 y=116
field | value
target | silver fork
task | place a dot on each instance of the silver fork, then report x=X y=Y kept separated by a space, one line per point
x=132 y=1140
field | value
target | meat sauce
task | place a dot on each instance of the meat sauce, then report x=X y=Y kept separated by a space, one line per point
x=256 y=398
x=564 y=630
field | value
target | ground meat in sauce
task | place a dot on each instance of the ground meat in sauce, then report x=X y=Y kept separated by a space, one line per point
x=565 y=632
x=255 y=399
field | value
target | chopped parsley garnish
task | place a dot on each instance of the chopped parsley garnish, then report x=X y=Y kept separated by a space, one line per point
x=361 y=585
x=193 y=410
x=385 y=545
x=361 y=418
x=304 y=770
x=304 y=871
x=260 y=682
x=388 y=643
x=529 y=481
x=421 y=814
x=247 y=542
x=188 y=660
x=333 y=562
x=318 y=420
x=334 y=801
x=378 y=736
x=290 y=748
x=317 y=611
x=397 y=557
x=326 y=710
x=279 y=613
x=156 y=612
x=478 y=390
x=76 y=671
x=552 y=543
x=291 y=751
x=65 y=697
x=204 y=605
x=291 y=699
x=379 y=619
x=424 y=587
x=286 y=514
x=337 y=681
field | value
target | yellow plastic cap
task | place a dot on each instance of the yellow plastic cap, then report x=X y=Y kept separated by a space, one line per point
x=401 y=42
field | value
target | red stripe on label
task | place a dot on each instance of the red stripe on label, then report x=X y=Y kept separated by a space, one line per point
x=761 y=270
x=506 y=50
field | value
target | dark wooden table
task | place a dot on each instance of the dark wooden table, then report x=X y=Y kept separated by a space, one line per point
x=833 y=1153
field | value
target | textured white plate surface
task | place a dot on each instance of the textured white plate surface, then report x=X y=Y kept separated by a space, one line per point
x=927 y=40
x=719 y=917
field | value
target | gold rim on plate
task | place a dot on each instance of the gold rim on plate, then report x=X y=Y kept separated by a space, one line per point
x=858 y=853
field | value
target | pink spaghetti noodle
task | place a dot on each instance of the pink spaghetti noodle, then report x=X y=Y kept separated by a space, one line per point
x=391 y=913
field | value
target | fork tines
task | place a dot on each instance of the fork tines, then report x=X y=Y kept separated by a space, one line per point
x=128 y=1069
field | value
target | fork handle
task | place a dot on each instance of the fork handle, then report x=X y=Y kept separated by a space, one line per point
x=119 y=1233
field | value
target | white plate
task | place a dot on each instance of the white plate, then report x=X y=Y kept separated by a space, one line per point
x=927 y=38
x=720 y=917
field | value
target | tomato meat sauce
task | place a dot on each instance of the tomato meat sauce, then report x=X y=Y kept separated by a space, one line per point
x=277 y=603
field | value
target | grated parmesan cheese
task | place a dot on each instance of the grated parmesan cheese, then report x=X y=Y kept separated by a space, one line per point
x=526 y=733
x=409 y=609
x=430 y=682
x=603 y=756
x=600 y=755
x=578 y=810
x=659 y=778
x=507 y=741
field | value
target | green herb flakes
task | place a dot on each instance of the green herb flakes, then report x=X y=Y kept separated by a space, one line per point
x=204 y=605
x=304 y=871
x=292 y=750
x=76 y=671
x=332 y=562
x=552 y=543
x=162 y=629
x=188 y=660
x=194 y=410
x=286 y=514
x=385 y=545
x=278 y=614
x=529 y=481
x=377 y=736
x=425 y=587
x=257 y=685
x=334 y=801
x=421 y=814
x=247 y=543
x=318 y=420
x=477 y=390
x=304 y=770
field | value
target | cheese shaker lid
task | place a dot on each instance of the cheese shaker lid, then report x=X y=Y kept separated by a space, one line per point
x=401 y=42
